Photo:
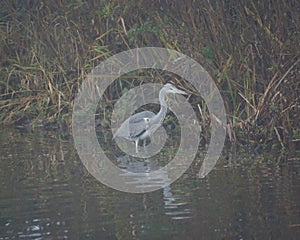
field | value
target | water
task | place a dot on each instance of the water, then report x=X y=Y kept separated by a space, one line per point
x=46 y=193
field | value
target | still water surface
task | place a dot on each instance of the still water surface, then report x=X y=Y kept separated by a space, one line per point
x=46 y=193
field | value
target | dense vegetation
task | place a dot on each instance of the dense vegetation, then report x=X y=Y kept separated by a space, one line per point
x=251 y=48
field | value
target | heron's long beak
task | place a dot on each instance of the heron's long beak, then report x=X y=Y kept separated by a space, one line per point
x=180 y=92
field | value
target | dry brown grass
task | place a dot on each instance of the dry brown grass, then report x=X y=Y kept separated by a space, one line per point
x=250 y=48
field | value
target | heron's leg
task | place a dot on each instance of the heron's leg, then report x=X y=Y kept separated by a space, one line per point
x=144 y=142
x=137 y=146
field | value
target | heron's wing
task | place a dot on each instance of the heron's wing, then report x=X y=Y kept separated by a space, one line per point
x=123 y=130
x=138 y=117
x=134 y=126
x=137 y=123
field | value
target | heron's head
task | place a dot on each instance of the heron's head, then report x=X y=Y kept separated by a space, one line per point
x=170 y=88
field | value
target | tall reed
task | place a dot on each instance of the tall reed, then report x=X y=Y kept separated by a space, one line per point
x=251 y=48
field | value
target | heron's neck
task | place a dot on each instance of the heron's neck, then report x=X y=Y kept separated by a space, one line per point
x=162 y=113
x=163 y=107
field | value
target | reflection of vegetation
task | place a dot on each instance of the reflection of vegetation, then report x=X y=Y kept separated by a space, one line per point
x=47 y=49
x=44 y=184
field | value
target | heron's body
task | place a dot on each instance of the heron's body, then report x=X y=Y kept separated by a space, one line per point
x=135 y=126
x=142 y=125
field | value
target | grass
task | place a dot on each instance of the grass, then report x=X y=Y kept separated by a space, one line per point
x=250 y=48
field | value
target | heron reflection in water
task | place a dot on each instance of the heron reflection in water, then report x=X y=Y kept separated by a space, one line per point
x=142 y=125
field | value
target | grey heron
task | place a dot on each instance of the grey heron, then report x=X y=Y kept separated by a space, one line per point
x=142 y=125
